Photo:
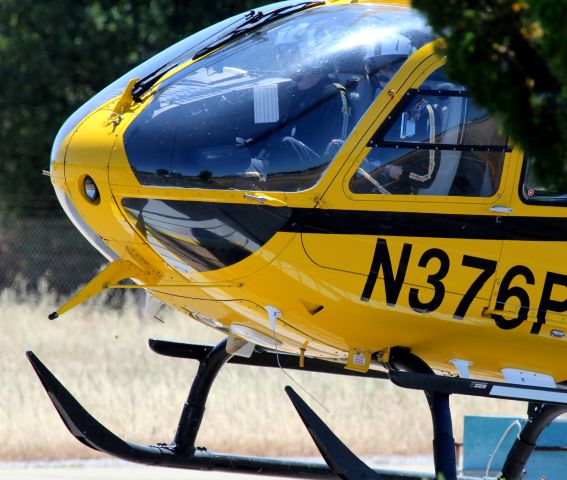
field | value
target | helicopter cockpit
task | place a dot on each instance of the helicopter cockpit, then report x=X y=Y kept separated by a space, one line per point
x=270 y=110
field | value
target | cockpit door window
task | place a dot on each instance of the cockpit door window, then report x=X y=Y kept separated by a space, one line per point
x=437 y=141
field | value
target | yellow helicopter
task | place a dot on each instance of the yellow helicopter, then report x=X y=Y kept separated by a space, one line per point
x=304 y=178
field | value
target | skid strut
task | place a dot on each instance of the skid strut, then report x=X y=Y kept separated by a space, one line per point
x=194 y=408
x=540 y=415
x=182 y=452
x=444 y=456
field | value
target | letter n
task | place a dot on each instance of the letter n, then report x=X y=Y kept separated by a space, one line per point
x=392 y=284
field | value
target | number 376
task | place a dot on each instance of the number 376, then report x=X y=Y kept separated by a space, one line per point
x=393 y=282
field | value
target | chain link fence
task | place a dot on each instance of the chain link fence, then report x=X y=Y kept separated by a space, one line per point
x=43 y=250
x=46 y=250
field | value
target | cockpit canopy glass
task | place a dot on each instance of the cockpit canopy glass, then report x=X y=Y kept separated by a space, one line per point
x=270 y=110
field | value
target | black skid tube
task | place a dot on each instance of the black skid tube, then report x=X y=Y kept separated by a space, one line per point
x=539 y=418
x=261 y=358
x=93 y=434
x=90 y=432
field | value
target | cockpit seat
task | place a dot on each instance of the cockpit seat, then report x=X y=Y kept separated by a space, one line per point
x=360 y=95
x=351 y=74
x=450 y=115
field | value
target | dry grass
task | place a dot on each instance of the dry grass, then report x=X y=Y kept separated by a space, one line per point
x=102 y=357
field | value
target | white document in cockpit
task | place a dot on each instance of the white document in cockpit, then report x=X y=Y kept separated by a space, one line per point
x=266 y=105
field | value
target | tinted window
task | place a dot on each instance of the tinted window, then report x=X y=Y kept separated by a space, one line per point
x=174 y=54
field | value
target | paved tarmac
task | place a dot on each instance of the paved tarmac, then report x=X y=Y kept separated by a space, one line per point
x=115 y=473
x=117 y=470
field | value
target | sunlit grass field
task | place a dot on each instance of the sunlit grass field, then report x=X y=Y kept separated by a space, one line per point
x=101 y=356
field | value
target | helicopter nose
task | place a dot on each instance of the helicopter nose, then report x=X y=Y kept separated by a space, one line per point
x=79 y=174
x=57 y=160
x=86 y=158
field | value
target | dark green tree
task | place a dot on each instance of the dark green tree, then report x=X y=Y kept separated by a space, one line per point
x=56 y=55
x=511 y=55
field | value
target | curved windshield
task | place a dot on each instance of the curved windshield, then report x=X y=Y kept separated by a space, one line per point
x=181 y=50
x=271 y=110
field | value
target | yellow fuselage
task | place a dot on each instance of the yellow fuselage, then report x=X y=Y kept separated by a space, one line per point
x=479 y=279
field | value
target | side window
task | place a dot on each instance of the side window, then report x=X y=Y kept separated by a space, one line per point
x=535 y=190
x=437 y=141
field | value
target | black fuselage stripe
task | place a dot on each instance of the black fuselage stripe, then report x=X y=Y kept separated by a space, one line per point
x=427 y=225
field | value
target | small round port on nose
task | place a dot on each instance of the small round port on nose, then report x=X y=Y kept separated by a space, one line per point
x=91 y=190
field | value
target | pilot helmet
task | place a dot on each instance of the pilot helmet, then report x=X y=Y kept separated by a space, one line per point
x=295 y=53
x=388 y=54
x=288 y=47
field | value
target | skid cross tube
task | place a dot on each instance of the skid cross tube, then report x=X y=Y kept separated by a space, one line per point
x=262 y=357
x=545 y=404
x=444 y=455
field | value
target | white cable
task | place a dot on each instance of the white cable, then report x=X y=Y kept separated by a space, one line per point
x=515 y=423
x=288 y=375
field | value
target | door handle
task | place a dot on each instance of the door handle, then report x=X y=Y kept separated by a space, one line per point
x=500 y=209
x=265 y=199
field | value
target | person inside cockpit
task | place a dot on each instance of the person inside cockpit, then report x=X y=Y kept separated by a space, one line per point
x=316 y=120
x=384 y=59
x=400 y=170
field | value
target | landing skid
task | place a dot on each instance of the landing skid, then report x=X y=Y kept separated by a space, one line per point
x=340 y=461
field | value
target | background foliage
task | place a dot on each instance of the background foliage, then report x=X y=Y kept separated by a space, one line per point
x=56 y=55
x=512 y=56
